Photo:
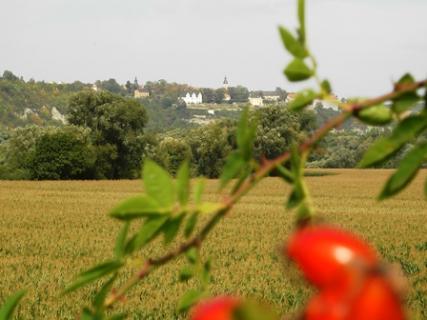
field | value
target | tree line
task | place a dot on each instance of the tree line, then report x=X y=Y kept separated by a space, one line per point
x=105 y=139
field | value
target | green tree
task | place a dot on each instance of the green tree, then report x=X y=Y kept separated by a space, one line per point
x=63 y=154
x=210 y=145
x=8 y=75
x=117 y=126
x=111 y=85
x=278 y=128
x=238 y=94
x=171 y=152
x=219 y=95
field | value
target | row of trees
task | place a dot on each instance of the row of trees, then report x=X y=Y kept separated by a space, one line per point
x=103 y=141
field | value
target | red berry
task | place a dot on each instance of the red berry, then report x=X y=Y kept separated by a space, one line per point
x=327 y=305
x=330 y=257
x=376 y=301
x=373 y=300
x=219 y=308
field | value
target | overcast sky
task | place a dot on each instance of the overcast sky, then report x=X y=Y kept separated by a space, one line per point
x=361 y=45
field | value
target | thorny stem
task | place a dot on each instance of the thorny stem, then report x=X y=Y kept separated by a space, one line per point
x=267 y=166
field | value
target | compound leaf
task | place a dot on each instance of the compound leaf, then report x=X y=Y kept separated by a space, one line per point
x=407 y=170
x=384 y=148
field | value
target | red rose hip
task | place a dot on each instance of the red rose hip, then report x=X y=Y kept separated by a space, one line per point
x=330 y=257
x=219 y=308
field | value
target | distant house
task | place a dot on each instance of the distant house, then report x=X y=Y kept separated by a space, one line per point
x=259 y=98
x=256 y=101
x=193 y=98
x=271 y=96
x=141 y=93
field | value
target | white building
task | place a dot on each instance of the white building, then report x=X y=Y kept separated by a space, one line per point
x=193 y=98
x=140 y=93
x=256 y=101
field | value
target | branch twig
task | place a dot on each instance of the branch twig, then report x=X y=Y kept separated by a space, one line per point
x=267 y=166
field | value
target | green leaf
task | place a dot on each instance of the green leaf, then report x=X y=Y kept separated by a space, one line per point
x=186 y=273
x=326 y=86
x=94 y=273
x=285 y=174
x=245 y=135
x=189 y=299
x=250 y=310
x=302 y=99
x=292 y=44
x=149 y=230
x=408 y=99
x=9 y=306
x=231 y=169
x=158 y=184
x=99 y=299
x=119 y=248
x=209 y=207
x=88 y=315
x=192 y=255
x=305 y=210
x=191 y=223
x=205 y=274
x=405 y=102
x=376 y=115
x=137 y=207
x=198 y=191
x=295 y=198
x=171 y=228
x=301 y=19
x=183 y=182
x=407 y=170
x=384 y=148
x=297 y=70
x=406 y=79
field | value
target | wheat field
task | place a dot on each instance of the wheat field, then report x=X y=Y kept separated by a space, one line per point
x=50 y=231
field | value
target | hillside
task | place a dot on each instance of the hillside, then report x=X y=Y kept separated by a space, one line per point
x=32 y=102
x=40 y=103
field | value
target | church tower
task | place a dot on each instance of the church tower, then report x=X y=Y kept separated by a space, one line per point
x=227 y=96
x=225 y=84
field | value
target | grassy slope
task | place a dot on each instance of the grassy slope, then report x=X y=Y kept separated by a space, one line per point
x=49 y=231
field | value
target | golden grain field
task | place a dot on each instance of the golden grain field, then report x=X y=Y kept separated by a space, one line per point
x=50 y=231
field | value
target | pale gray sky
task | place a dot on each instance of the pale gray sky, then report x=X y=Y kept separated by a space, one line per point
x=361 y=45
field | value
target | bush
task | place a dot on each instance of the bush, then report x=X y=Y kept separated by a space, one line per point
x=62 y=155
